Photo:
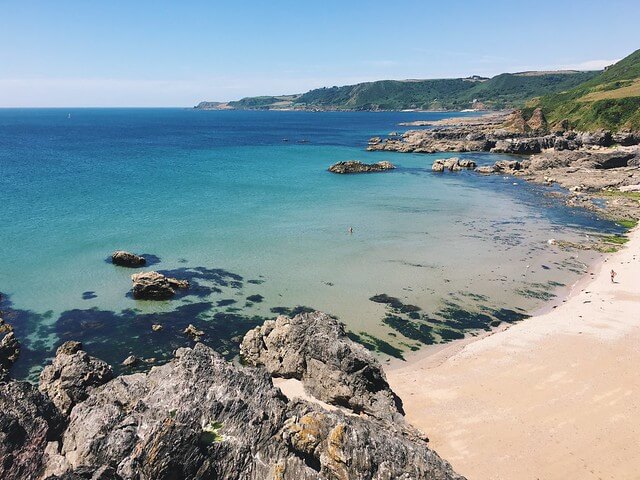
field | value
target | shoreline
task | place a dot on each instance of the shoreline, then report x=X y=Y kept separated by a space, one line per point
x=539 y=383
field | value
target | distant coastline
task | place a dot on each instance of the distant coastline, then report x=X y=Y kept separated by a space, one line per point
x=507 y=90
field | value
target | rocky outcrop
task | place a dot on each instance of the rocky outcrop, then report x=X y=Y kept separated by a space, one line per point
x=72 y=376
x=314 y=348
x=537 y=123
x=9 y=348
x=28 y=421
x=454 y=164
x=127 y=259
x=519 y=146
x=155 y=286
x=498 y=132
x=199 y=416
x=353 y=166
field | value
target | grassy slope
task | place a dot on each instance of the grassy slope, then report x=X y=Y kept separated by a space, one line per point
x=609 y=100
x=506 y=90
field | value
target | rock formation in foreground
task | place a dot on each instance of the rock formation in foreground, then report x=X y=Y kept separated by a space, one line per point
x=127 y=259
x=155 y=286
x=199 y=416
x=314 y=348
x=353 y=166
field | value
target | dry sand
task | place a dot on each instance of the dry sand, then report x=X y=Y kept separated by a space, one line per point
x=556 y=396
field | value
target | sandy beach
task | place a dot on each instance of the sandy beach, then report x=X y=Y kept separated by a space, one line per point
x=553 y=397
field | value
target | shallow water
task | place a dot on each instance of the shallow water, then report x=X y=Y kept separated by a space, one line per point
x=221 y=199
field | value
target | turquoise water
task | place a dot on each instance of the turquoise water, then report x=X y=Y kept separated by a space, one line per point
x=223 y=200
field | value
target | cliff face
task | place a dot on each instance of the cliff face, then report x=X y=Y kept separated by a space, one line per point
x=199 y=416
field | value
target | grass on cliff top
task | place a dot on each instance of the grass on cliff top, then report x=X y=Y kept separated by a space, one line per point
x=618 y=193
x=610 y=100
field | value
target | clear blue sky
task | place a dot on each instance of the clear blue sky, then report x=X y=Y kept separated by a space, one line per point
x=161 y=53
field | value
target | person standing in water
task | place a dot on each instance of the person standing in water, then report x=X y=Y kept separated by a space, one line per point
x=613 y=276
x=350 y=230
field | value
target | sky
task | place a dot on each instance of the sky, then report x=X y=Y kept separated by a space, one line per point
x=169 y=53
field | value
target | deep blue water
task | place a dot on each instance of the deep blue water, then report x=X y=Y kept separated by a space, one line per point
x=222 y=199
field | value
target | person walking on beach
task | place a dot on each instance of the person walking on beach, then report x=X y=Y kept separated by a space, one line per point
x=613 y=276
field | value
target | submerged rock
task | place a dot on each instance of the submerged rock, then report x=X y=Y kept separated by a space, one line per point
x=72 y=375
x=9 y=348
x=127 y=259
x=353 y=166
x=314 y=348
x=155 y=286
x=199 y=416
x=28 y=421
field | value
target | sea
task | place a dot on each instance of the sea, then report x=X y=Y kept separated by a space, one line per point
x=241 y=204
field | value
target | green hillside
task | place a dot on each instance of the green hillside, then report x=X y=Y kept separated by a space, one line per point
x=501 y=91
x=610 y=100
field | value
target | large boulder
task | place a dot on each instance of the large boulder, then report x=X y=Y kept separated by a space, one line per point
x=199 y=416
x=70 y=378
x=28 y=421
x=353 y=166
x=127 y=259
x=155 y=286
x=314 y=348
x=9 y=348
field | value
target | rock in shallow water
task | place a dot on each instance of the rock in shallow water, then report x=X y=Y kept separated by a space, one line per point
x=353 y=166
x=127 y=259
x=155 y=286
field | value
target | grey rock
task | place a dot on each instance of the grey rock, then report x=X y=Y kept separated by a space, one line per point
x=353 y=166
x=127 y=259
x=71 y=376
x=130 y=361
x=9 y=348
x=155 y=286
x=518 y=146
x=28 y=421
x=199 y=416
x=314 y=348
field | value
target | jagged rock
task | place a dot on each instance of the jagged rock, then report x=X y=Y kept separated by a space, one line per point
x=193 y=332
x=353 y=166
x=438 y=166
x=199 y=416
x=486 y=169
x=72 y=375
x=466 y=163
x=314 y=348
x=28 y=421
x=516 y=122
x=9 y=348
x=155 y=286
x=626 y=138
x=537 y=123
x=602 y=138
x=375 y=140
x=518 y=146
x=130 y=361
x=127 y=259
x=507 y=166
x=156 y=327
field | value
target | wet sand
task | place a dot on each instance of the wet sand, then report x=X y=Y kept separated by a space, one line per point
x=556 y=396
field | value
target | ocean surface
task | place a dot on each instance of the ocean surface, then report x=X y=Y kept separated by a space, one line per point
x=241 y=204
